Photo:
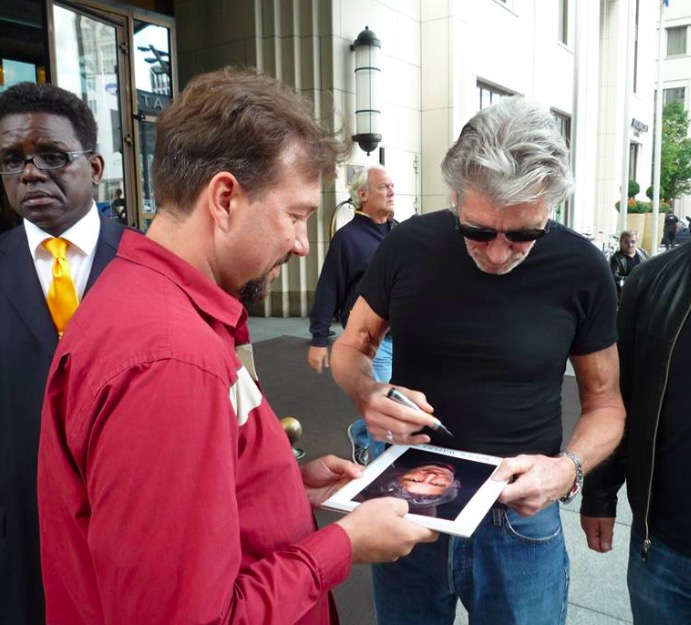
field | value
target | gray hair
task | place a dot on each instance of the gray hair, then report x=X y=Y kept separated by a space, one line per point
x=512 y=151
x=359 y=182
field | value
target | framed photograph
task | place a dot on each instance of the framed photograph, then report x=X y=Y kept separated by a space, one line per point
x=447 y=490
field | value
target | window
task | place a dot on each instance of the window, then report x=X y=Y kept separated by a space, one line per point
x=564 y=21
x=676 y=41
x=633 y=160
x=564 y=125
x=562 y=213
x=488 y=94
x=670 y=95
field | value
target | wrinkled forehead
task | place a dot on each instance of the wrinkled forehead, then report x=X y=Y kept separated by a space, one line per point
x=39 y=128
x=482 y=209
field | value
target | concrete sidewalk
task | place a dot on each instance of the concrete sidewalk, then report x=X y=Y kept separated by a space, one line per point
x=598 y=593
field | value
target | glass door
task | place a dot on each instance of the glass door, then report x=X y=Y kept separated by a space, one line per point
x=86 y=61
x=153 y=81
x=23 y=57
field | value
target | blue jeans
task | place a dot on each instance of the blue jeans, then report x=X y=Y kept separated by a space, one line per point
x=660 y=588
x=514 y=570
x=381 y=372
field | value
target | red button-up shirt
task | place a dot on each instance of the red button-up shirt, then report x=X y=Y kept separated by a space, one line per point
x=168 y=492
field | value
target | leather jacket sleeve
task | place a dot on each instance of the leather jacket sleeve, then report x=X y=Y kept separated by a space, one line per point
x=602 y=484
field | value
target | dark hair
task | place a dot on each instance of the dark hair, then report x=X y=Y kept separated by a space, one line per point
x=238 y=121
x=627 y=234
x=28 y=97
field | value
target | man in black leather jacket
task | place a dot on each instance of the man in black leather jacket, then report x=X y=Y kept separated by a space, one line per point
x=655 y=455
x=628 y=256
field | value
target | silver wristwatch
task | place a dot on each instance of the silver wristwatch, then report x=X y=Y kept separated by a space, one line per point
x=578 y=482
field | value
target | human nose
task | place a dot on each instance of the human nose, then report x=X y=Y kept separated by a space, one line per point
x=499 y=249
x=301 y=246
x=30 y=171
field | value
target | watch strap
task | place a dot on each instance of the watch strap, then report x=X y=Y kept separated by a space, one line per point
x=578 y=482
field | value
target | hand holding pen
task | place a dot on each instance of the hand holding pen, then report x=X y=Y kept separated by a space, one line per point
x=397 y=396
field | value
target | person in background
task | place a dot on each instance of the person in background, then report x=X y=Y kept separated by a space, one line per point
x=486 y=302
x=49 y=168
x=628 y=256
x=670 y=229
x=118 y=207
x=655 y=456
x=168 y=490
x=350 y=251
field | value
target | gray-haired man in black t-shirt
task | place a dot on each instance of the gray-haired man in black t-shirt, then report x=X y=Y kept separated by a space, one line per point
x=486 y=302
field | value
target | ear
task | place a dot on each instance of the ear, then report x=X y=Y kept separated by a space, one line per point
x=454 y=199
x=223 y=194
x=97 y=167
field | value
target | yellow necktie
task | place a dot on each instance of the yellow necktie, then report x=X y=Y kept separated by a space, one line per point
x=62 y=294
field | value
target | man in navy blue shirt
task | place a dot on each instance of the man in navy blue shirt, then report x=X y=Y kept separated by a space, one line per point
x=350 y=251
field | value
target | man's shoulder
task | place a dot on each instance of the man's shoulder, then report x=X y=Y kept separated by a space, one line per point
x=10 y=238
x=135 y=316
x=569 y=241
x=436 y=221
x=112 y=231
x=679 y=257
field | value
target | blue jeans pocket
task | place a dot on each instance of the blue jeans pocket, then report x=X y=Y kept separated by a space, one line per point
x=543 y=527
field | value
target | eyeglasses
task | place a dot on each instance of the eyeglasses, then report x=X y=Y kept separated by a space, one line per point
x=11 y=165
x=485 y=235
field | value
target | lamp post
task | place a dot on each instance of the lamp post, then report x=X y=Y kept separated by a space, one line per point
x=367 y=75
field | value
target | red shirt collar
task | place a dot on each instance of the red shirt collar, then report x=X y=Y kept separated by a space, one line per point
x=205 y=293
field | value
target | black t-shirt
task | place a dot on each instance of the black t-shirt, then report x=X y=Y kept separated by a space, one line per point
x=490 y=351
x=671 y=504
x=671 y=222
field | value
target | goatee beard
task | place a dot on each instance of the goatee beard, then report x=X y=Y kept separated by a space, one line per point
x=256 y=290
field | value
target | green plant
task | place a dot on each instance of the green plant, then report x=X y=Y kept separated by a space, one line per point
x=675 y=170
x=634 y=189
x=636 y=206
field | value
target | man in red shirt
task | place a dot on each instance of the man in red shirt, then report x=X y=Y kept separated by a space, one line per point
x=168 y=492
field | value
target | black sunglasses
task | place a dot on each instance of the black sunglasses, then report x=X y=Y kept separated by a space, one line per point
x=485 y=235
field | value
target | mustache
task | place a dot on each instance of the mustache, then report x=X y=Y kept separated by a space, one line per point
x=284 y=260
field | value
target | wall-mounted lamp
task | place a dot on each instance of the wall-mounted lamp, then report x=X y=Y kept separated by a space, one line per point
x=367 y=76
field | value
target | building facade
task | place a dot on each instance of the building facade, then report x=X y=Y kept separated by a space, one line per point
x=592 y=62
x=120 y=59
x=676 y=67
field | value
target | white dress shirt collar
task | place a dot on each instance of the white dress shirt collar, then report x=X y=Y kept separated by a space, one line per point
x=83 y=235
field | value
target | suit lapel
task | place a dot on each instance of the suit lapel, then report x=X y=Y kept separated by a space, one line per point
x=22 y=288
x=106 y=249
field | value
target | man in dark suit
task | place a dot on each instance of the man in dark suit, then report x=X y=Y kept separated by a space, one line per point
x=49 y=167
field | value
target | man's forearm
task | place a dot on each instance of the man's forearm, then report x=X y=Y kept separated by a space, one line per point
x=351 y=368
x=597 y=434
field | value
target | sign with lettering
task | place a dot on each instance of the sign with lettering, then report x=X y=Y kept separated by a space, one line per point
x=638 y=126
x=149 y=103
